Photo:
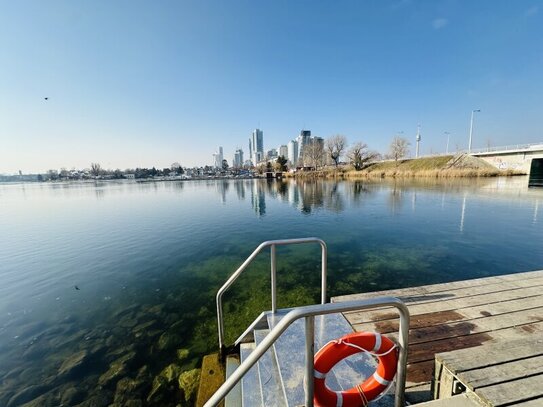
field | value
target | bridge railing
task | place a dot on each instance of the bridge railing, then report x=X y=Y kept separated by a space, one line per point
x=511 y=147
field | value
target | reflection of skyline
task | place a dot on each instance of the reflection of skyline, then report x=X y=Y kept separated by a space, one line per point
x=308 y=196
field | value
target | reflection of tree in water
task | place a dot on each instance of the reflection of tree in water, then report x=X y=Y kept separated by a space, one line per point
x=281 y=188
x=358 y=189
x=311 y=193
x=333 y=199
x=222 y=188
x=395 y=199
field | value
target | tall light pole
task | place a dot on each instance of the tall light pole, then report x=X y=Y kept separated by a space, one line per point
x=471 y=128
x=418 y=141
x=448 y=137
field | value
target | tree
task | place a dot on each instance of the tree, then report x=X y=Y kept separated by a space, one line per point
x=313 y=154
x=335 y=146
x=225 y=165
x=398 y=149
x=176 y=167
x=96 y=169
x=281 y=163
x=269 y=167
x=52 y=175
x=359 y=155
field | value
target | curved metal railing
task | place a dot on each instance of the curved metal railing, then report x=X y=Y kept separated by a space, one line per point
x=272 y=244
x=309 y=313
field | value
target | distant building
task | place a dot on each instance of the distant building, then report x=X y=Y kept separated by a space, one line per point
x=283 y=151
x=238 y=158
x=271 y=154
x=256 y=146
x=303 y=139
x=292 y=148
x=217 y=158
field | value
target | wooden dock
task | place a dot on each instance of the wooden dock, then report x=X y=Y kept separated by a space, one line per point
x=461 y=315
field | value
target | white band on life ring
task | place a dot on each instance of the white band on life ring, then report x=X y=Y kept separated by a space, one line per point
x=382 y=381
x=319 y=375
x=339 y=399
x=378 y=342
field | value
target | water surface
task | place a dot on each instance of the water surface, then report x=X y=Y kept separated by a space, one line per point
x=102 y=284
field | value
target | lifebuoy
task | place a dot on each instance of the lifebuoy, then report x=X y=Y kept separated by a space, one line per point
x=333 y=352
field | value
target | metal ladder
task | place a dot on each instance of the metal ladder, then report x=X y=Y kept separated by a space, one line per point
x=308 y=313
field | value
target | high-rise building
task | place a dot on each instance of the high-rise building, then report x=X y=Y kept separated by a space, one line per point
x=256 y=146
x=283 y=151
x=217 y=158
x=238 y=158
x=293 y=152
x=303 y=139
x=271 y=154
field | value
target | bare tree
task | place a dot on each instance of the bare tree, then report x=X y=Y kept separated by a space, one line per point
x=96 y=169
x=399 y=148
x=359 y=155
x=314 y=154
x=335 y=146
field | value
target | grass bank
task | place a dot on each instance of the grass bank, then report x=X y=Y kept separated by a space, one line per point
x=448 y=166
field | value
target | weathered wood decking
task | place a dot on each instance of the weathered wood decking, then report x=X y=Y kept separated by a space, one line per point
x=457 y=315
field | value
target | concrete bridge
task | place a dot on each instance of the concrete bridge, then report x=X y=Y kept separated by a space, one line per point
x=527 y=158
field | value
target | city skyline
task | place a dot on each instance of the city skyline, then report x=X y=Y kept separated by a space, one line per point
x=160 y=83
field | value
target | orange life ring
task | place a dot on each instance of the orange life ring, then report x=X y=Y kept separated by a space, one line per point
x=333 y=352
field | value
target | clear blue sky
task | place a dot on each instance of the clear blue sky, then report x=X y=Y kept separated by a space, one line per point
x=134 y=83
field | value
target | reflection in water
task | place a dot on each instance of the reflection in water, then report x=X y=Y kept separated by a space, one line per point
x=240 y=189
x=142 y=299
x=222 y=189
x=258 y=198
x=462 y=217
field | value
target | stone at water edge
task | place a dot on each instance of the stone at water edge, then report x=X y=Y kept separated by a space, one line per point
x=182 y=354
x=188 y=382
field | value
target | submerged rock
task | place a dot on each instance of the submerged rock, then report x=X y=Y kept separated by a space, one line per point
x=182 y=354
x=72 y=396
x=73 y=363
x=188 y=382
x=168 y=340
x=117 y=369
x=26 y=395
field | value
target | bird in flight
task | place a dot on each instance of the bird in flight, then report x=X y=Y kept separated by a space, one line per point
x=46 y=98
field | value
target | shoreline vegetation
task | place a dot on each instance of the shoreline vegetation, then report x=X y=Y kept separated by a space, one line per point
x=447 y=166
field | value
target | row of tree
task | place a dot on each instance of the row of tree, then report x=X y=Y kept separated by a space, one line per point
x=331 y=152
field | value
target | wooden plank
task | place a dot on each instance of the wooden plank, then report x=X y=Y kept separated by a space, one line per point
x=455 y=303
x=531 y=403
x=458 y=328
x=446 y=287
x=493 y=353
x=460 y=400
x=518 y=369
x=420 y=366
x=512 y=392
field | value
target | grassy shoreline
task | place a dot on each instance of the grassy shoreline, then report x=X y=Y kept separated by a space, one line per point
x=448 y=166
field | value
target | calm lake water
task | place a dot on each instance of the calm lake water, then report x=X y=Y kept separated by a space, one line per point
x=103 y=285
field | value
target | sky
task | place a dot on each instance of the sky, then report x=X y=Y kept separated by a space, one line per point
x=146 y=83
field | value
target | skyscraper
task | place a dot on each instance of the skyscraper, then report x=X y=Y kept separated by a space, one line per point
x=293 y=152
x=256 y=146
x=217 y=158
x=283 y=151
x=238 y=158
x=303 y=139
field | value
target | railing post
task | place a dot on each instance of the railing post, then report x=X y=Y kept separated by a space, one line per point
x=309 y=359
x=403 y=341
x=220 y=323
x=273 y=279
x=324 y=270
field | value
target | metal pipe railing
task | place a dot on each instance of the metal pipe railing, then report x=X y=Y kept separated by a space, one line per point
x=272 y=244
x=309 y=312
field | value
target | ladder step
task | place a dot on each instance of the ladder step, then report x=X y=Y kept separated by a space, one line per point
x=270 y=380
x=250 y=384
x=233 y=399
x=290 y=353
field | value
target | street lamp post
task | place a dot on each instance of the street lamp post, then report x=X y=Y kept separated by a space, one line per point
x=418 y=141
x=448 y=137
x=471 y=128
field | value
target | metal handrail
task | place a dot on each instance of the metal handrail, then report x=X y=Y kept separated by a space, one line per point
x=309 y=312
x=271 y=244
